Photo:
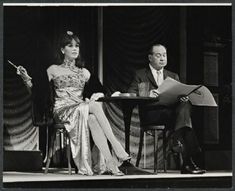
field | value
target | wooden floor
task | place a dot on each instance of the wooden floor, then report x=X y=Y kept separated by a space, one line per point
x=60 y=179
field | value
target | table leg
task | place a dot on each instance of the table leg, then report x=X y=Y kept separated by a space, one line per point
x=127 y=109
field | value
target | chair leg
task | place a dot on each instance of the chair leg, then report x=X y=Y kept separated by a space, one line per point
x=164 y=150
x=62 y=140
x=68 y=152
x=140 y=146
x=47 y=137
x=50 y=154
x=76 y=169
x=155 y=152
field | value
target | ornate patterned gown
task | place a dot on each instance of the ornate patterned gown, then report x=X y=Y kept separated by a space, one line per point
x=70 y=108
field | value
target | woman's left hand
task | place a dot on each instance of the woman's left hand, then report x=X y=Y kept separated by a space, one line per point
x=96 y=96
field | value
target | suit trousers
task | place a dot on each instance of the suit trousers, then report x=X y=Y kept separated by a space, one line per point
x=177 y=118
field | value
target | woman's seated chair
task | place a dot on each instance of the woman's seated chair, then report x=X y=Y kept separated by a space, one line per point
x=42 y=114
x=59 y=128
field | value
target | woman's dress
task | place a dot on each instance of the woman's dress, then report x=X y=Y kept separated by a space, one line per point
x=70 y=108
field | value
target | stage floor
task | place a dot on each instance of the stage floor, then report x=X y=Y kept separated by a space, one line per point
x=64 y=176
x=58 y=179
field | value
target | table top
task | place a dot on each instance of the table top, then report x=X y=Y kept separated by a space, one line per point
x=127 y=98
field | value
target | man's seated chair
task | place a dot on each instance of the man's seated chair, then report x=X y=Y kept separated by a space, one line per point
x=156 y=127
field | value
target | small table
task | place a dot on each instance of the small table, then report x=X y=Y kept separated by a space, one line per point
x=127 y=105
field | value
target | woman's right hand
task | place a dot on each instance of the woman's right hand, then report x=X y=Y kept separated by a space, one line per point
x=23 y=73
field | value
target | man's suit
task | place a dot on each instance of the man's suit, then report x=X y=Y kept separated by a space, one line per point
x=145 y=75
x=178 y=115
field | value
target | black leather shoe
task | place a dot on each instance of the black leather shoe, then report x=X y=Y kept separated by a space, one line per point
x=191 y=169
x=197 y=168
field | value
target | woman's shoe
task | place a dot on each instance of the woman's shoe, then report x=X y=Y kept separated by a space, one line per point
x=118 y=173
x=109 y=172
x=128 y=159
x=113 y=168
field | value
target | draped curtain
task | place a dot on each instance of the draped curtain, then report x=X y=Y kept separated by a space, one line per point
x=19 y=47
x=31 y=40
x=129 y=32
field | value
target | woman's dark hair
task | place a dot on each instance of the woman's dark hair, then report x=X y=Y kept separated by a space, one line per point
x=66 y=39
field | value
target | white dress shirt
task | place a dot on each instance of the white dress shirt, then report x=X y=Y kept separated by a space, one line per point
x=157 y=74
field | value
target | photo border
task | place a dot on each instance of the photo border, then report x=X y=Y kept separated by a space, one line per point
x=111 y=2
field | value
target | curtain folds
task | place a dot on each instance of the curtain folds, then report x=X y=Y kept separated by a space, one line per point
x=19 y=132
x=129 y=32
x=30 y=39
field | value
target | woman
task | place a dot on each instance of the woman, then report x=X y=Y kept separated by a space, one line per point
x=69 y=78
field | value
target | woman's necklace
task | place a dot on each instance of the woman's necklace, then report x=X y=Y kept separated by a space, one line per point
x=70 y=65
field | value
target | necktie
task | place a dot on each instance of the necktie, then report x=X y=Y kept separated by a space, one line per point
x=158 y=78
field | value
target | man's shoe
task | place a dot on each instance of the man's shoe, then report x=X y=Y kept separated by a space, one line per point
x=197 y=168
x=190 y=169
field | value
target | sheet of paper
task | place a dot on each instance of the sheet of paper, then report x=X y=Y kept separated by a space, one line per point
x=170 y=91
x=202 y=97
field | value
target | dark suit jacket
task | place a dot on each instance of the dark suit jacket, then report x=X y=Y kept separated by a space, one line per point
x=145 y=75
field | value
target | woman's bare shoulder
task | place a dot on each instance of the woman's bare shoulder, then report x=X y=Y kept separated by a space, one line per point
x=87 y=73
x=52 y=68
x=52 y=71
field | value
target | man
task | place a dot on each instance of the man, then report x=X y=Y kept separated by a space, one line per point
x=184 y=139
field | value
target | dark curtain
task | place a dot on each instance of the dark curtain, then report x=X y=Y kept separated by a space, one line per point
x=31 y=39
x=129 y=32
x=31 y=36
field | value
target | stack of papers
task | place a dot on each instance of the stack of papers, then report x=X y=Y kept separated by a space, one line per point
x=170 y=91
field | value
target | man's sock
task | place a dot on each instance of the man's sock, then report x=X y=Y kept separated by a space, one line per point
x=179 y=134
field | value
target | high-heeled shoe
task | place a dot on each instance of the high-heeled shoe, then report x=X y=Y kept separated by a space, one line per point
x=109 y=172
x=113 y=169
x=127 y=159
x=118 y=173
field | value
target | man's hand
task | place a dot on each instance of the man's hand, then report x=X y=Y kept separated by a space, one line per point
x=117 y=93
x=96 y=96
x=153 y=93
x=184 y=98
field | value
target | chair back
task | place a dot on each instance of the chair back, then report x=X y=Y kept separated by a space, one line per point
x=144 y=119
x=42 y=111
